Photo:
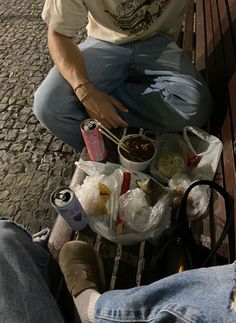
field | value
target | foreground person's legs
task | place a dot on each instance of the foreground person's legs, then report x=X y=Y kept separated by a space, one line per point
x=25 y=296
x=203 y=295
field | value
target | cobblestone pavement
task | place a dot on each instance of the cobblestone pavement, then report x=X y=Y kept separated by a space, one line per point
x=32 y=161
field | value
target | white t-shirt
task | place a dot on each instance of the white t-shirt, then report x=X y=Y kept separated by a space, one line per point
x=116 y=21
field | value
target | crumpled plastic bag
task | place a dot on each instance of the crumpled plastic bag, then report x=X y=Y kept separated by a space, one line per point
x=199 y=197
x=182 y=159
x=140 y=220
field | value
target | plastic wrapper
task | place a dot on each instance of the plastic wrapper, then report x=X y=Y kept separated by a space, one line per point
x=182 y=159
x=198 y=199
x=193 y=151
x=135 y=210
x=140 y=218
x=89 y=194
x=171 y=157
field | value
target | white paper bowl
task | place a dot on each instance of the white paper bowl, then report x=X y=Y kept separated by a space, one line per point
x=133 y=165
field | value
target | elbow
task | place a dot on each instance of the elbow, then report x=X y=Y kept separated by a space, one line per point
x=52 y=34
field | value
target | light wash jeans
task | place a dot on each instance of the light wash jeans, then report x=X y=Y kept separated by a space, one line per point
x=155 y=80
x=25 y=295
x=195 y=296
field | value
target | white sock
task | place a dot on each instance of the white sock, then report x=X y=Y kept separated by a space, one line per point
x=85 y=304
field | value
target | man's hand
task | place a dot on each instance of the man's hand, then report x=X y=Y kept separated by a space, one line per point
x=70 y=63
x=102 y=107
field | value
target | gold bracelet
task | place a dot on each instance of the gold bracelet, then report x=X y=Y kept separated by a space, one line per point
x=86 y=94
x=80 y=85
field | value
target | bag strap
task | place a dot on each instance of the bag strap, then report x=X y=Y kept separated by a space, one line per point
x=229 y=207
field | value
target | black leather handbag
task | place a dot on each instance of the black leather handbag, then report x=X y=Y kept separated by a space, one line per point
x=176 y=249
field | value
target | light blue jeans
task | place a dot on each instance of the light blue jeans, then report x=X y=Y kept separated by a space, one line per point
x=155 y=80
x=24 y=281
x=195 y=296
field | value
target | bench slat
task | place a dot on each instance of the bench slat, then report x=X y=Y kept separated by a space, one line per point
x=188 y=30
x=232 y=97
x=127 y=267
x=210 y=74
x=227 y=40
x=231 y=9
x=200 y=61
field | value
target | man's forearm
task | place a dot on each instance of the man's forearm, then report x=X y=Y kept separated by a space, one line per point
x=69 y=61
x=67 y=57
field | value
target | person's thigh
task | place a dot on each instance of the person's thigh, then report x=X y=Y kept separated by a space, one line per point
x=164 y=91
x=57 y=107
x=202 y=295
x=159 y=53
x=107 y=64
x=25 y=296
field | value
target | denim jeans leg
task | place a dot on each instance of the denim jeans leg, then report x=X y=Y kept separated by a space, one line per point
x=203 y=295
x=25 y=296
x=164 y=91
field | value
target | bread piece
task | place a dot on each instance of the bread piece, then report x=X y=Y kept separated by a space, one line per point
x=104 y=190
x=105 y=194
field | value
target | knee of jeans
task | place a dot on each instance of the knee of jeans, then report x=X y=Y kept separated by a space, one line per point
x=10 y=230
x=41 y=107
x=198 y=109
x=204 y=108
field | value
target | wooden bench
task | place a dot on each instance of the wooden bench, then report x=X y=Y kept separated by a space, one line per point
x=209 y=37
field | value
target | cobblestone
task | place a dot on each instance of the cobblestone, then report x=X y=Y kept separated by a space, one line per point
x=32 y=162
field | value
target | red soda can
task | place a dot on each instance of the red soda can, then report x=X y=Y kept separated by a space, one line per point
x=93 y=139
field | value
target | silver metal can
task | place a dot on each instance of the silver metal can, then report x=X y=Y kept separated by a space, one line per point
x=93 y=140
x=68 y=206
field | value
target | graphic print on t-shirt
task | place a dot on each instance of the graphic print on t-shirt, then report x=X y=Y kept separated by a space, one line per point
x=137 y=15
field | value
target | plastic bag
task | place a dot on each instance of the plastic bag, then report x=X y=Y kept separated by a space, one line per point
x=140 y=220
x=207 y=147
x=90 y=202
x=138 y=216
x=171 y=157
x=200 y=153
x=135 y=210
x=198 y=199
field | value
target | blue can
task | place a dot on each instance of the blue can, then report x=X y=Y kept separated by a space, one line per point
x=69 y=207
